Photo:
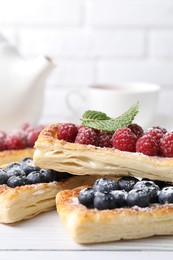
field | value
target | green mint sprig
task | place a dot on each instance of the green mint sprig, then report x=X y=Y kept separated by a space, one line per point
x=101 y=121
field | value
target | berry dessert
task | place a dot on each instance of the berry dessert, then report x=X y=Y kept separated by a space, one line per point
x=111 y=210
x=18 y=143
x=129 y=150
x=27 y=190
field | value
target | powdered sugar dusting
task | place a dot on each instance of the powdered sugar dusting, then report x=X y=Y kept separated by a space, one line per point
x=75 y=201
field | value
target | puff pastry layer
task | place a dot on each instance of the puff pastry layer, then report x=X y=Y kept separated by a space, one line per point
x=27 y=201
x=87 y=159
x=94 y=226
x=9 y=156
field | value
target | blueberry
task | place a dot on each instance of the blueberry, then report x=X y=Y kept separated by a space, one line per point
x=120 y=197
x=28 y=166
x=105 y=185
x=138 y=197
x=150 y=187
x=15 y=181
x=15 y=172
x=161 y=184
x=127 y=183
x=13 y=166
x=104 y=201
x=86 y=197
x=3 y=177
x=61 y=175
x=48 y=174
x=166 y=195
x=35 y=177
x=27 y=160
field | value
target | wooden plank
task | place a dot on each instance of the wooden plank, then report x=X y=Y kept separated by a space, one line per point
x=45 y=232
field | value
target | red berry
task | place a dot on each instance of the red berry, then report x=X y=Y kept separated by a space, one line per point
x=32 y=137
x=86 y=136
x=124 y=139
x=67 y=132
x=105 y=140
x=166 y=145
x=25 y=126
x=2 y=140
x=161 y=128
x=147 y=145
x=16 y=140
x=95 y=130
x=137 y=130
x=155 y=132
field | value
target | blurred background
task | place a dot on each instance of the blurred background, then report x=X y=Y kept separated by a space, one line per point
x=94 y=41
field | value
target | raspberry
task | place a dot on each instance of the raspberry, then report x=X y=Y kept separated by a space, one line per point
x=161 y=128
x=86 y=136
x=67 y=132
x=2 y=140
x=16 y=140
x=25 y=126
x=166 y=145
x=124 y=139
x=105 y=140
x=155 y=132
x=147 y=145
x=137 y=130
x=32 y=137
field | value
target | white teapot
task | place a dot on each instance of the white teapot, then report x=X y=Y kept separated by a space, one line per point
x=22 y=84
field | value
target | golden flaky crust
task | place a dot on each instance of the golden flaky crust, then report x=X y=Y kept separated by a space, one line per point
x=94 y=226
x=27 y=201
x=9 y=156
x=88 y=159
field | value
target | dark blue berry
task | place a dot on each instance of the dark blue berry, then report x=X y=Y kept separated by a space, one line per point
x=138 y=197
x=104 y=201
x=150 y=187
x=61 y=175
x=35 y=177
x=3 y=177
x=13 y=166
x=86 y=197
x=27 y=160
x=166 y=195
x=105 y=185
x=28 y=166
x=15 y=172
x=120 y=197
x=161 y=184
x=127 y=183
x=48 y=174
x=15 y=181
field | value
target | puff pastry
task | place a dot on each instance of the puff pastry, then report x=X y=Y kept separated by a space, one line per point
x=88 y=159
x=27 y=201
x=9 y=156
x=94 y=226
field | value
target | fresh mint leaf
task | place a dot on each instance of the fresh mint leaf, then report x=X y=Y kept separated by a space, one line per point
x=101 y=121
x=92 y=115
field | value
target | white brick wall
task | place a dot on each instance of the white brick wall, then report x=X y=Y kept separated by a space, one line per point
x=135 y=13
x=94 y=41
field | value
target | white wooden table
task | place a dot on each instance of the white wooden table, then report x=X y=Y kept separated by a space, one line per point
x=44 y=237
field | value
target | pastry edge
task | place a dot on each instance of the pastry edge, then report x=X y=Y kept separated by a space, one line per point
x=94 y=226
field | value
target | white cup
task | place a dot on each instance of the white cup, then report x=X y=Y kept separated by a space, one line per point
x=117 y=99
